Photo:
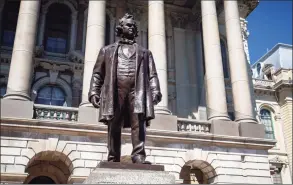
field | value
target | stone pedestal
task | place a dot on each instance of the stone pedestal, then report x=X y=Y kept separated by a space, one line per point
x=128 y=173
x=252 y=130
x=88 y=114
x=17 y=108
x=164 y=122
x=223 y=127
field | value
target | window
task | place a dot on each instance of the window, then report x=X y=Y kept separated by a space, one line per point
x=266 y=119
x=224 y=59
x=10 y=13
x=2 y=91
x=51 y=95
x=57 y=29
x=258 y=67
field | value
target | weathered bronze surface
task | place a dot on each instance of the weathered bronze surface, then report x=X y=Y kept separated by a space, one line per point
x=125 y=87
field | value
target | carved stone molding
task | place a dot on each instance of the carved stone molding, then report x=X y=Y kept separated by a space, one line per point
x=279 y=160
x=246 y=7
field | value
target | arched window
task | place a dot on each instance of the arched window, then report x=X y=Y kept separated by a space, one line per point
x=224 y=58
x=10 y=16
x=51 y=95
x=57 y=32
x=266 y=119
x=258 y=67
x=2 y=91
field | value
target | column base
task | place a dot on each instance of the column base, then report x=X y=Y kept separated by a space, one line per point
x=17 y=108
x=162 y=110
x=18 y=96
x=164 y=122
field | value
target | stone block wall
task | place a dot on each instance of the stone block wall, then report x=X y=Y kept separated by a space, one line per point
x=218 y=164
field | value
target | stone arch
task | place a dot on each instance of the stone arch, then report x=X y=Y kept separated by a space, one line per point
x=46 y=80
x=70 y=3
x=52 y=164
x=202 y=171
x=267 y=106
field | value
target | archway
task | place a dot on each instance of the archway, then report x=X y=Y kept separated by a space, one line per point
x=42 y=180
x=197 y=172
x=48 y=167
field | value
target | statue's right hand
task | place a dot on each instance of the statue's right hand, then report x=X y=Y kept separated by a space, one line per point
x=95 y=100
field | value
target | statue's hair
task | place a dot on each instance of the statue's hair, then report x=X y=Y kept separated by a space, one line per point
x=118 y=29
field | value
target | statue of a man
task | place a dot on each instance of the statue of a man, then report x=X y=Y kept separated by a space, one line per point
x=125 y=87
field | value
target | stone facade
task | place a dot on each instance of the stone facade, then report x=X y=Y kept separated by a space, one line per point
x=273 y=90
x=49 y=129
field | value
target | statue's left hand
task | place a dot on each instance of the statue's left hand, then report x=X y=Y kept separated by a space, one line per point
x=156 y=98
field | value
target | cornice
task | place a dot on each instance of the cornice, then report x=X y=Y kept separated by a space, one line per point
x=100 y=130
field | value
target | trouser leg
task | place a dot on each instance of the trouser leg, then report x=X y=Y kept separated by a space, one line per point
x=137 y=135
x=114 y=141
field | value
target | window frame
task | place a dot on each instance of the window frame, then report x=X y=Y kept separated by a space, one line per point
x=267 y=132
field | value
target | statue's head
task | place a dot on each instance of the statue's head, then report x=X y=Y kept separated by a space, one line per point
x=127 y=27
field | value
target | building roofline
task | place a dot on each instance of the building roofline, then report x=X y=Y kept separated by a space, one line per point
x=270 y=52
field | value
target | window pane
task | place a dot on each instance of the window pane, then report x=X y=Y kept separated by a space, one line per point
x=51 y=95
x=266 y=119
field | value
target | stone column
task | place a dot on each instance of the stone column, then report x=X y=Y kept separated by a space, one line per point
x=95 y=40
x=215 y=84
x=73 y=31
x=42 y=27
x=157 y=45
x=242 y=96
x=21 y=68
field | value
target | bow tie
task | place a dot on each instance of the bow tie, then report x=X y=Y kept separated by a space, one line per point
x=126 y=41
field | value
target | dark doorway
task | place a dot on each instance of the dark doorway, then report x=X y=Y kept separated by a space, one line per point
x=42 y=180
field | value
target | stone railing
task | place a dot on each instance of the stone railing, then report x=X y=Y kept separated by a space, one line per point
x=5 y=59
x=55 y=112
x=283 y=75
x=263 y=83
x=191 y=125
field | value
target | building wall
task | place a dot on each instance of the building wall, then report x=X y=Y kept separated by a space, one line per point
x=79 y=155
x=286 y=112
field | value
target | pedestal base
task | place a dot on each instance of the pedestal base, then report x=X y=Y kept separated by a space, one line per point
x=125 y=173
x=17 y=108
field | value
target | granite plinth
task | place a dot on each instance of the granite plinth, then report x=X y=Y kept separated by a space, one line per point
x=126 y=173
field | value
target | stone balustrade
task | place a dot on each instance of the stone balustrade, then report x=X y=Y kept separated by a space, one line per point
x=191 y=125
x=263 y=83
x=5 y=59
x=283 y=75
x=55 y=112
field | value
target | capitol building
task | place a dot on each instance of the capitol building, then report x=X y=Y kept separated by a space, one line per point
x=221 y=119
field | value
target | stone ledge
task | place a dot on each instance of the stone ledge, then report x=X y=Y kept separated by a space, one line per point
x=130 y=166
x=13 y=177
x=98 y=130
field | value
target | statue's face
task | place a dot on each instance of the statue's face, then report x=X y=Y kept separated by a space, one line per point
x=128 y=28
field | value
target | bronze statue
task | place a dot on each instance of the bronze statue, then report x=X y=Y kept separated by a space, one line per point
x=125 y=87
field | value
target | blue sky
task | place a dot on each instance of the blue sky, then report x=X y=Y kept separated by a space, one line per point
x=270 y=23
